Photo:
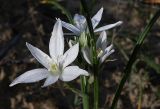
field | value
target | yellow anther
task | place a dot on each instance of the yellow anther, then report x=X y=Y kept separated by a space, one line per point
x=99 y=52
x=54 y=69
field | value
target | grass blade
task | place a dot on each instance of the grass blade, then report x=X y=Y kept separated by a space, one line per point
x=132 y=59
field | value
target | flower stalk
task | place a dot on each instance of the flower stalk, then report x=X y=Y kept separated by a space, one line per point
x=85 y=98
x=96 y=89
x=94 y=58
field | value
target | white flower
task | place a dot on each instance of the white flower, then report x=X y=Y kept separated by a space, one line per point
x=81 y=25
x=102 y=50
x=56 y=65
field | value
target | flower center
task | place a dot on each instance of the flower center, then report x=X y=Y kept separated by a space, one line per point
x=54 y=69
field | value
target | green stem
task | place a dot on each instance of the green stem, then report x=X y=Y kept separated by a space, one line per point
x=94 y=52
x=88 y=17
x=96 y=92
x=132 y=59
x=91 y=31
x=85 y=98
x=92 y=39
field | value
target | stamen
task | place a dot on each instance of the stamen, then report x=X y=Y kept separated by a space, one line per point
x=54 y=69
x=99 y=52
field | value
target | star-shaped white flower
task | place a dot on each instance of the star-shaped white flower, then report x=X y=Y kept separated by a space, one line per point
x=103 y=51
x=81 y=25
x=56 y=65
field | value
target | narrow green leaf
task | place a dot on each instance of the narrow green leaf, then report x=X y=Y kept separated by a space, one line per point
x=133 y=57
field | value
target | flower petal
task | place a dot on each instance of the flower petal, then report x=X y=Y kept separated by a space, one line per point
x=71 y=27
x=107 y=27
x=109 y=48
x=80 y=22
x=31 y=76
x=97 y=17
x=102 y=41
x=103 y=58
x=56 y=44
x=43 y=58
x=50 y=80
x=70 y=55
x=72 y=72
x=87 y=55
